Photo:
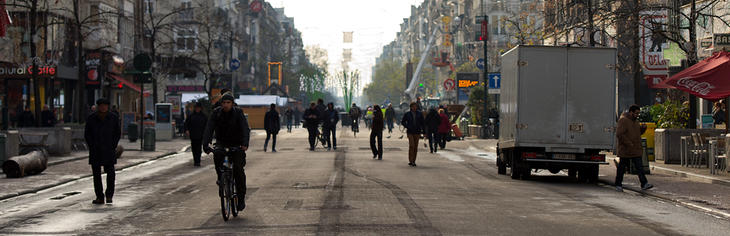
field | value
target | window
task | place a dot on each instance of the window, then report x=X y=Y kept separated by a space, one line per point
x=186 y=14
x=185 y=40
x=149 y=6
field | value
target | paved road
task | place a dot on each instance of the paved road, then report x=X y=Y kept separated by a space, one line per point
x=297 y=192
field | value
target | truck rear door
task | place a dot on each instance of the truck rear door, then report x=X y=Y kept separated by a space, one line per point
x=542 y=86
x=591 y=95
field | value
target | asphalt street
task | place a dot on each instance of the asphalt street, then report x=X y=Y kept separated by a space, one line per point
x=345 y=192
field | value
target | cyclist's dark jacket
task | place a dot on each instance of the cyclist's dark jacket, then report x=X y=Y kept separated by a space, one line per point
x=231 y=128
x=311 y=122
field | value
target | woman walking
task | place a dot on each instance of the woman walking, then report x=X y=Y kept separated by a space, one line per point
x=433 y=120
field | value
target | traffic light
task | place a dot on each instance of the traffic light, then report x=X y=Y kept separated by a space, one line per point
x=120 y=85
x=420 y=85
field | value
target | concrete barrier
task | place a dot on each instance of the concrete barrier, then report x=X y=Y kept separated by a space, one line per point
x=58 y=141
x=12 y=143
x=667 y=143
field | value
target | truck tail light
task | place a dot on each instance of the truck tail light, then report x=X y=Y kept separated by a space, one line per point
x=599 y=157
x=529 y=155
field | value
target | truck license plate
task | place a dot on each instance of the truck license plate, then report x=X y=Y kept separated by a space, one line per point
x=564 y=156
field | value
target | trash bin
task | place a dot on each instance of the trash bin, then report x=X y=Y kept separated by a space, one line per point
x=149 y=139
x=3 y=154
x=649 y=135
x=133 y=132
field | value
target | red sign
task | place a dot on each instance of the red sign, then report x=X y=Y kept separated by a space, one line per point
x=449 y=84
x=92 y=75
x=256 y=6
x=485 y=30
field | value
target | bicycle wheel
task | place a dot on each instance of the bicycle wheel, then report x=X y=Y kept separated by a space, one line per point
x=225 y=203
x=233 y=197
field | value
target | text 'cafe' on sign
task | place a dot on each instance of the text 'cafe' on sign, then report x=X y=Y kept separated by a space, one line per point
x=26 y=71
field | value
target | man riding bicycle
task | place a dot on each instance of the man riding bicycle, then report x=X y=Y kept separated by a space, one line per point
x=355 y=116
x=231 y=131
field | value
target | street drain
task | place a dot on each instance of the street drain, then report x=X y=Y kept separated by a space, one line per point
x=393 y=149
x=482 y=154
x=64 y=195
x=286 y=149
x=300 y=185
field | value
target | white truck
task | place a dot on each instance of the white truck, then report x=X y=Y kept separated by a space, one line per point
x=557 y=110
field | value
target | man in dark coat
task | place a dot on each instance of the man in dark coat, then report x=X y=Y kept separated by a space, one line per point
x=272 y=127
x=102 y=135
x=289 y=114
x=26 y=118
x=628 y=135
x=331 y=117
x=230 y=127
x=194 y=128
x=390 y=118
x=376 y=133
x=311 y=119
x=413 y=122
x=432 y=125
x=47 y=117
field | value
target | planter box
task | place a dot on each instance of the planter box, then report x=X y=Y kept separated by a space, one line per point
x=475 y=131
x=12 y=143
x=667 y=142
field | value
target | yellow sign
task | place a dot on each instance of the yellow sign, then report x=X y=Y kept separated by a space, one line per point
x=467 y=83
x=446 y=19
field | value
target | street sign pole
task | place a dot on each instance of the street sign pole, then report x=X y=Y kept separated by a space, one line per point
x=485 y=35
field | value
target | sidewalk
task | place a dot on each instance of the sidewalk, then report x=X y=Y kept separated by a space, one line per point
x=691 y=187
x=64 y=169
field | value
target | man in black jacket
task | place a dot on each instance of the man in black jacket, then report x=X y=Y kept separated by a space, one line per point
x=194 y=128
x=26 y=118
x=331 y=117
x=48 y=119
x=272 y=126
x=390 y=118
x=102 y=134
x=311 y=119
x=413 y=121
x=231 y=130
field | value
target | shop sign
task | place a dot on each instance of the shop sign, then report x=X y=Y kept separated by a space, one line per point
x=26 y=71
x=93 y=61
x=185 y=88
x=722 y=39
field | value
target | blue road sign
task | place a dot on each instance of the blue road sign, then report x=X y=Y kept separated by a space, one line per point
x=480 y=63
x=495 y=80
x=235 y=64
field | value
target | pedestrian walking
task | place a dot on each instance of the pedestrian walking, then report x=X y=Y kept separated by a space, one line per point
x=413 y=122
x=47 y=117
x=272 y=126
x=311 y=119
x=194 y=129
x=369 y=117
x=718 y=113
x=433 y=120
x=289 y=115
x=330 y=126
x=444 y=128
x=390 y=118
x=628 y=133
x=102 y=134
x=377 y=133
x=26 y=118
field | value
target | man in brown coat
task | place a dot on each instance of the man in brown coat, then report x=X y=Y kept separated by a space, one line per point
x=628 y=133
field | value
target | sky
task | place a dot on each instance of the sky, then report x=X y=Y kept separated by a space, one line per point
x=374 y=23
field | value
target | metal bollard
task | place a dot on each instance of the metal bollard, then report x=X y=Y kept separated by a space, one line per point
x=711 y=155
x=683 y=149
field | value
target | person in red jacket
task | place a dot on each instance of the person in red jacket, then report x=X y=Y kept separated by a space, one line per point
x=444 y=128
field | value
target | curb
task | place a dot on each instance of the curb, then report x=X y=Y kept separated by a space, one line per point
x=44 y=187
x=716 y=213
x=691 y=176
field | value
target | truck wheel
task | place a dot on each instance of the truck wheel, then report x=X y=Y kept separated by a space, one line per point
x=592 y=174
x=526 y=171
x=572 y=172
x=501 y=166
x=514 y=171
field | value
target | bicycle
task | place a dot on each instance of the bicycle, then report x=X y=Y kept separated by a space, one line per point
x=355 y=127
x=227 y=185
x=321 y=136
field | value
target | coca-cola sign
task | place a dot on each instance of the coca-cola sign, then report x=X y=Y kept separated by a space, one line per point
x=703 y=88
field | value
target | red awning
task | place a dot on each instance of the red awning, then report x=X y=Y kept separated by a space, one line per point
x=708 y=79
x=125 y=82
